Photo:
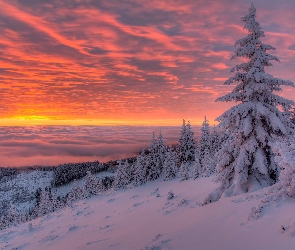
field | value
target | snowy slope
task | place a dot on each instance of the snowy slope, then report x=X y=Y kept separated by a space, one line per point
x=143 y=218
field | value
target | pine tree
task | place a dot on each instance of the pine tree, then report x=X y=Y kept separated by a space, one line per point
x=13 y=217
x=184 y=171
x=91 y=184
x=46 y=204
x=206 y=152
x=123 y=175
x=160 y=153
x=285 y=157
x=101 y=186
x=140 y=173
x=197 y=168
x=246 y=160
x=293 y=118
x=190 y=144
x=169 y=167
x=186 y=146
x=181 y=144
x=217 y=139
x=152 y=161
x=77 y=193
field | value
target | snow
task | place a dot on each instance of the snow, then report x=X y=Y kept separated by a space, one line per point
x=23 y=187
x=144 y=218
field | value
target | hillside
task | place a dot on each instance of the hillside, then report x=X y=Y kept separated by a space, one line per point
x=143 y=218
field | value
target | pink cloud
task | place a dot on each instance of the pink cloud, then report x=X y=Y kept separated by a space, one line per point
x=134 y=59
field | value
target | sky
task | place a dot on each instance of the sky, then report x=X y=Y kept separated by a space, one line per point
x=114 y=62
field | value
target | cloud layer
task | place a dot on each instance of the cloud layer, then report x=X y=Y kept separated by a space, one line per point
x=50 y=145
x=138 y=60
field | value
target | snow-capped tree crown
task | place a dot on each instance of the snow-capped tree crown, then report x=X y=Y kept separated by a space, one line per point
x=253 y=83
x=205 y=127
x=246 y=159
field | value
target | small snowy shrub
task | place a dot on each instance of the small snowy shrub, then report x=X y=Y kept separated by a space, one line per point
x=170 y=195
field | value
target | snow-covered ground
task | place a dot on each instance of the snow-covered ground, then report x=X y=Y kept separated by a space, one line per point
x=143 y=218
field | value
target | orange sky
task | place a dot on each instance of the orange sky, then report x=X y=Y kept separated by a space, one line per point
x=66 y=62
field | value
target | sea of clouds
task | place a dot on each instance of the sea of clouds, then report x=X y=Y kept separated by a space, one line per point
x=52 y=145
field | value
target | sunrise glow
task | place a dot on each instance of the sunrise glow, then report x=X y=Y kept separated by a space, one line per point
x=118 y=63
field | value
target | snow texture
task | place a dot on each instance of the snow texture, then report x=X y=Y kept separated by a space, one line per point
x=145 y=218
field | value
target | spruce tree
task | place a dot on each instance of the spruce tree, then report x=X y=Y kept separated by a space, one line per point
x=46 y=204
x=181 y=144
x=76 y=193
x=161 y=152
x=293 y=118
x=197 y=171
x=13 y=217
x=285 y=157
x=91 y=184
x=246 y=160
x=123 y=175
x=140 y=172
x=186 y=146
x=152 y=161
x=206 y=152
x=169 y=167
x=190 y=144
x=184 y=171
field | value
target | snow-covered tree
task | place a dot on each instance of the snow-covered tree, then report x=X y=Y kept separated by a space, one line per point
x=285 y=157
x=218 y=137
x=293 y=117
x=169 y=167
x=190 y=144
x=100 y=186
x=161 y=152
x=246 y=160
x=91 y=184
x=76 y=193
x=46 y=204
x=123 y=175
x=205 y=150
x=205 y=139
x=184 y=171
x=13 y=217
x=197 y=170
x=208 y=162
x=181 y=144
x=140 y=174
x=186 y=144
x=152 y=161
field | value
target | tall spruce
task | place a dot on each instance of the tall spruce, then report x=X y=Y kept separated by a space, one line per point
x=169 y=166
x=152 y=161
x=161 y=152
x=140 y=172
x=123 y=175
x=186 y=144
x=190 y=144
x=246 y=160
x=181 y=144
x=206 y=152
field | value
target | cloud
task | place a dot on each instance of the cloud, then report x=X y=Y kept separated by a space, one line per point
x=127 y=59
x=53 y=145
